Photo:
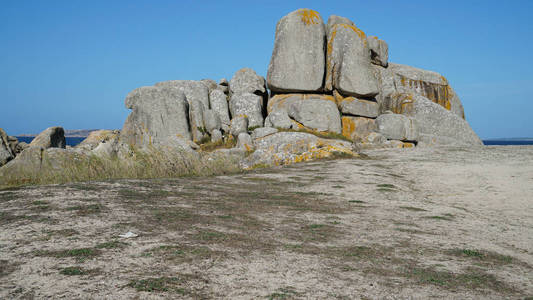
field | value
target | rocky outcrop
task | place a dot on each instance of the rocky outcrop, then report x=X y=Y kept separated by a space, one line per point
x=358 y=129
x=219 y=103
x=317 y=112
x=379 y=51
x=397 y=127
x=159 y=115
x=348 y=62
x=297 y=63
x=439 y=126
x=97 y=137
x=284 y=148
x=399 y=83
x=52 y=137
x=6 y=154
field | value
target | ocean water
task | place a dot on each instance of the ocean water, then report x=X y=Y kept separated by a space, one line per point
x=71 y=141
x=507 y=142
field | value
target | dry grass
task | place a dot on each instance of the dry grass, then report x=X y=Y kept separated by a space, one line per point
x=151 y=163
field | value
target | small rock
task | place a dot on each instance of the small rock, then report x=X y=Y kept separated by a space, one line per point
x=239 y=124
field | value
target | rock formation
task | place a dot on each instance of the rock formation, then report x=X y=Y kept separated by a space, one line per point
x=330 y=89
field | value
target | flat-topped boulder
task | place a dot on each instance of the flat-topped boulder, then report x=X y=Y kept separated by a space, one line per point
x=298 y=57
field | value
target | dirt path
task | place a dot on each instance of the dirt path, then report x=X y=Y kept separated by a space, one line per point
x=440 y=223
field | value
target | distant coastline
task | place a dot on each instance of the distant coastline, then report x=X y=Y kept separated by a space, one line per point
x=74 y=133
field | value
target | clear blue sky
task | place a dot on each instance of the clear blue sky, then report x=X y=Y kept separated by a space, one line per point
x=71 y=63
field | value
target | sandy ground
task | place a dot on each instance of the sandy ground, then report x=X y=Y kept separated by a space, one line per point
x=402 y=224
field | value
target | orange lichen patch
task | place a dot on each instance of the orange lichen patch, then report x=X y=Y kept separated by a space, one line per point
x=319 y=151
x=277 y=100
x=408 y=145
x=358 y=31
x=438 y=93
x=348 y=127
x=309 y=16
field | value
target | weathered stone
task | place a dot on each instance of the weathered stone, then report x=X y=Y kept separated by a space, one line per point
x=6 y=154
x=210 y=84
x=317 y=112
x=196 y=120
x=98 y=137
x=297 y=63
x=158 y=113
x=439 y=126
x=223 y=81
x=357 y=128
x=291 y=147
x=219 y=103
x=348 y=64
x=193 y=90
x=379 y=51
x=211 y=120
x=247 y=81
x=359 y=107
x=216 y=136
x=262 y=132
x=278 y=119
x=249 y=105
x=244 y=141
x=52 y=137
x=334 y=20
x=375 y=138
x=399 y=80
x=239 y=124
x=397 y=127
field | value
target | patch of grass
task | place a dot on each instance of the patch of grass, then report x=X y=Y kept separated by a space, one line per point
x=86 y=209
x=227 y=142
x=39 y=202
x=445 y=217
x=482 y=256
x=412 y=208
x=386 y=186
x=356 y=201
x=283 y=293
x=160 y=284
x=7 y=196
x=72 y=271
x=111 y=245
x=260 y=166
x=81 y=254
x=337 y=186
x=320 y=134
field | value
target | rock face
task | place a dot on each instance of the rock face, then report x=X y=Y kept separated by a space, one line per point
x=290 y=147
x=397 y=127
x=239 y=124
x=379 y=51
x=219 y=104
x=358 y=129
x=158 y=115
x=279 y=119
x=439 y=126
x=249 y=105
x=348 y=67
x=401 y=81
x=297 y=63
x=359 y=107
x=52 y=137
x=317 y=112
x=5 y=151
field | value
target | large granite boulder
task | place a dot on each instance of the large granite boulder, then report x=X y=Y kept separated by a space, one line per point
x=397 y=127
x=6 y=154
x=317 y=112
x=193 y=90
x=247 y=81
x=291 y=147
x=297 y=63
x=398 y=80
x=334 y=20
x=52 y=137
x=158 y=115
x=348 y=62
x=379 y=51
x=439 y=126
x=219 y=103
x=98 y=137
x=249 y=105
x=358 y=107
x=358 y=128
x=279 y=119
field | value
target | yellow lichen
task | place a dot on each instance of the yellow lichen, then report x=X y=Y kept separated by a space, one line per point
x=348 y=127
x=309 y=16
x=358 y=31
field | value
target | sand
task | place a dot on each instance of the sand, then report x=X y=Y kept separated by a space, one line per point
x=402 y=224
